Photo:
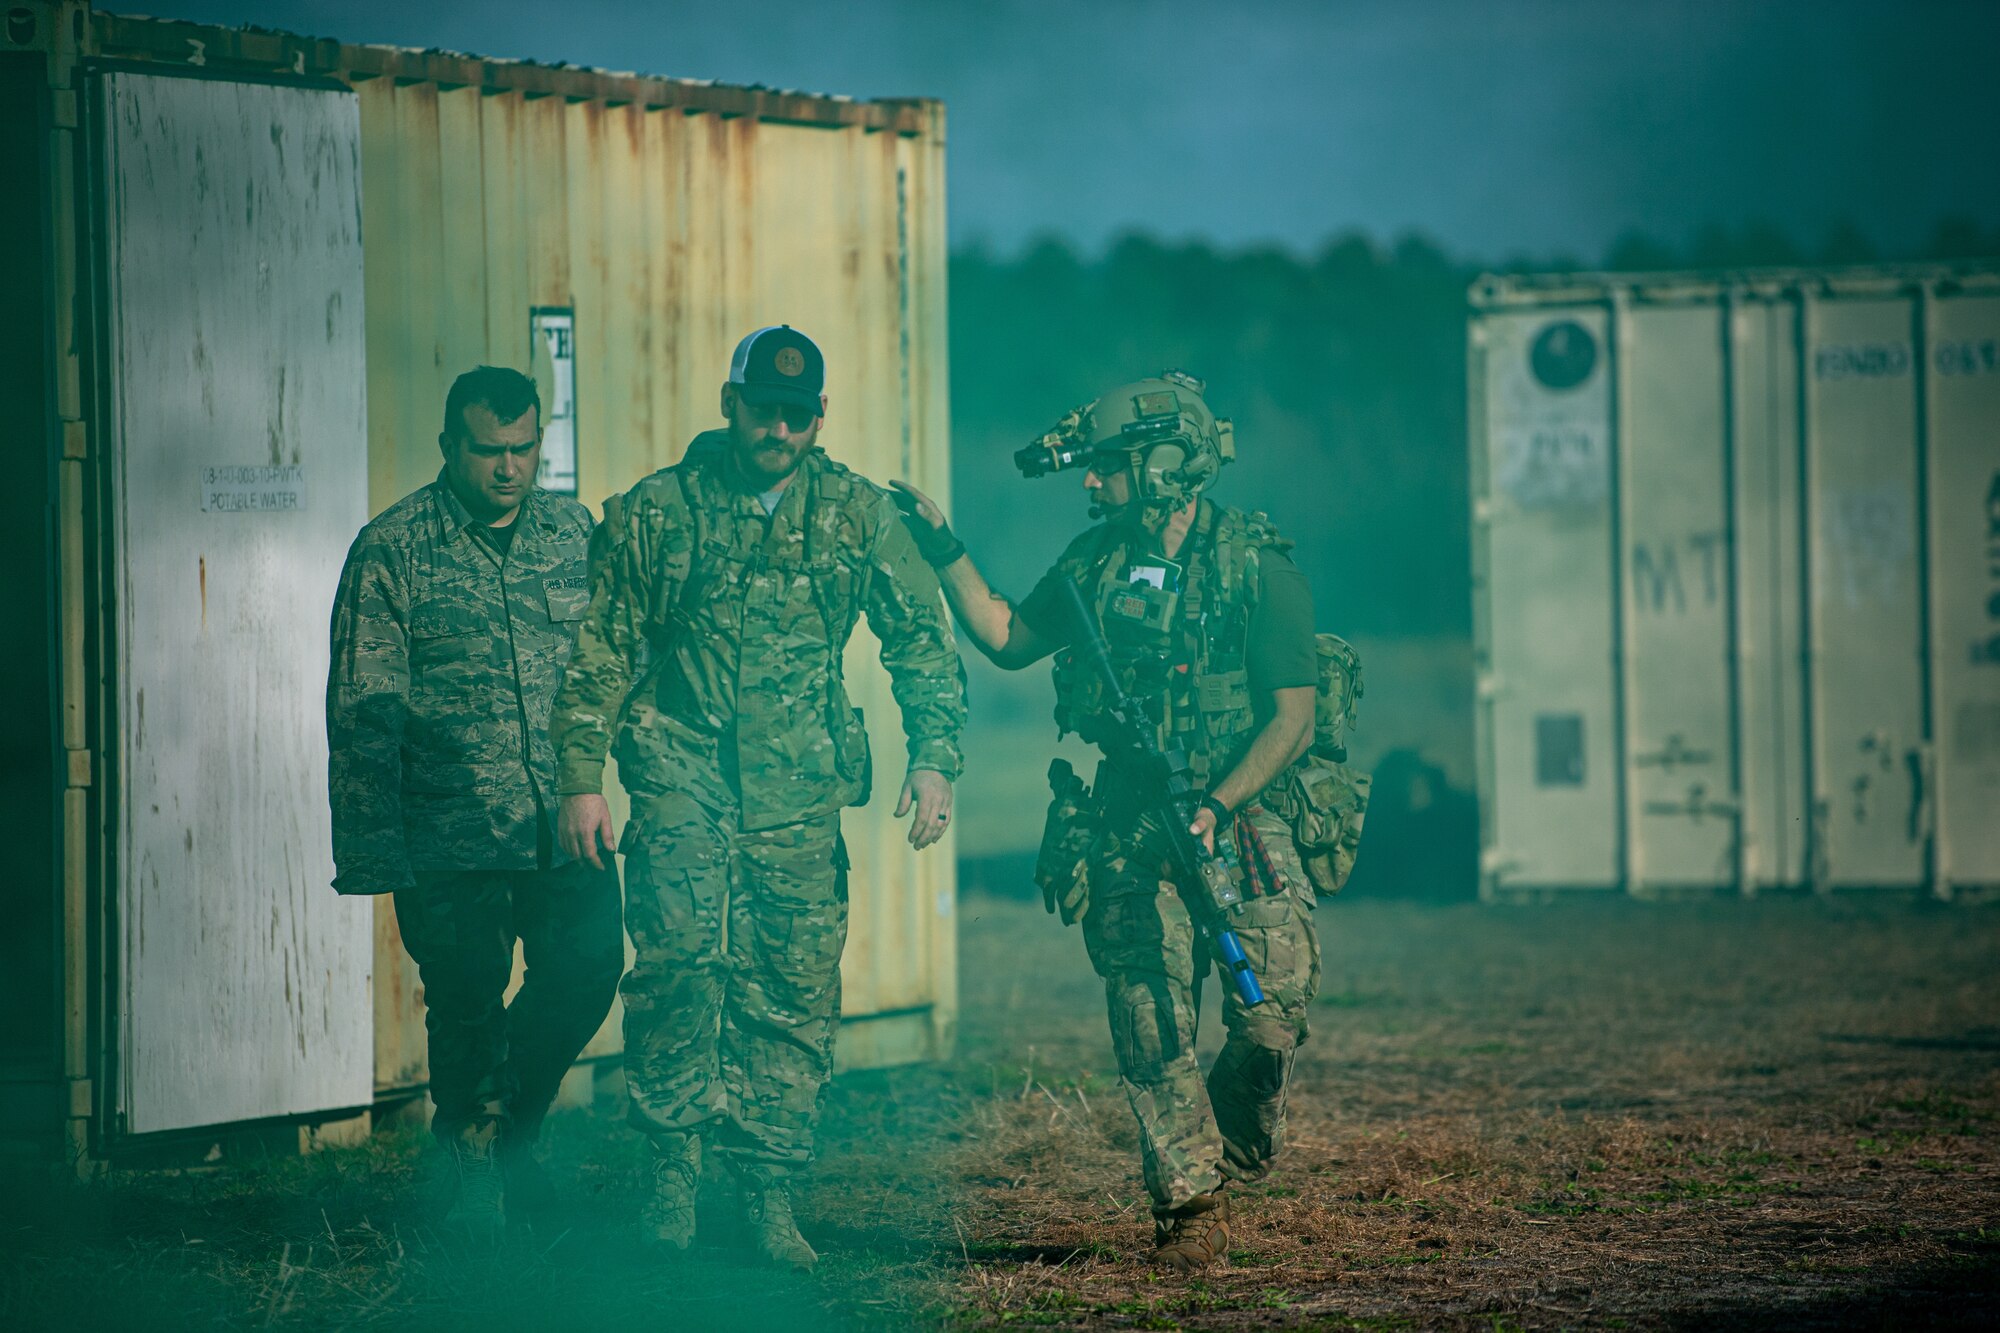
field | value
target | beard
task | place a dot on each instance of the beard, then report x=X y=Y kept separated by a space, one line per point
x=768 y=462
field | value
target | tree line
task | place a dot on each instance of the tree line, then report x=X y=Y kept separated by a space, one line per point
x=1344 y=371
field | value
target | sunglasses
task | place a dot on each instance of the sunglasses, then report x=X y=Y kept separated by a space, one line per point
x=795 y=418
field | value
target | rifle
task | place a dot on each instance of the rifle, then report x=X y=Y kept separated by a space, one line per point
x=1207 y=880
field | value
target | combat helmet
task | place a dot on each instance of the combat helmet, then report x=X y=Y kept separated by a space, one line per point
x=1173 y=443
x=1177 y=445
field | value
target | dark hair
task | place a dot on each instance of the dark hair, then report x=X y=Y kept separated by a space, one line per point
x=507 y=394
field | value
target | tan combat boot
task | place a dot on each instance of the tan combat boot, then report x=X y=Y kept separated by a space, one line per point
x=1194 y=1235
x=480 y=1209
x=668 y=1215
x=773 y=1232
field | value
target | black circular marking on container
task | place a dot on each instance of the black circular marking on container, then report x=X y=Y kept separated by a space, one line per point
x=1564 y=355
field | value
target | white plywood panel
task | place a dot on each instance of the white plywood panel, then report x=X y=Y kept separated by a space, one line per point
x=1770 y=592
x=1549 y=686
x=1679 y=749
x=1964 y=483
x=1865 y=600
x=238 y=412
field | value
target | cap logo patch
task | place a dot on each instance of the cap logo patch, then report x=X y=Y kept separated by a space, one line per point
x=789 y=361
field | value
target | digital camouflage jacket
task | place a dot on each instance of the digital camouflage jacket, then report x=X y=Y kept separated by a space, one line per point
x=712 y=652
x=445 y=663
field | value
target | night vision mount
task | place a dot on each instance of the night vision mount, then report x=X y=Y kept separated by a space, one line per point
x=1064 y=445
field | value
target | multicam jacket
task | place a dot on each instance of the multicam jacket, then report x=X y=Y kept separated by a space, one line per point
x=712 y=651
x=445 y=662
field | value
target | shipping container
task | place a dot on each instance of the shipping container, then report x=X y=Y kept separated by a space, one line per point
x=244 y=266
x=1736 y=544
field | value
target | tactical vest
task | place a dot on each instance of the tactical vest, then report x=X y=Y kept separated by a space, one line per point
x=837 y=540
x=1185 y=659
x=839 y=528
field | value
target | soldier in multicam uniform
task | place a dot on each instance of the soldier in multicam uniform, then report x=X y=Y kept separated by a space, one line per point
x=723 y=592
x=1210 y=628
x=456 y=613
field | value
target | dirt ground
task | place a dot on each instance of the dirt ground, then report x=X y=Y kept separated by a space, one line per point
x=1780 y=1113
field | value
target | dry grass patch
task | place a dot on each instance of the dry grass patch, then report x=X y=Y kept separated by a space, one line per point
x=1594 y=1115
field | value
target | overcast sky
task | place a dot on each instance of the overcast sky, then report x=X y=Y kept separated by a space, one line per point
x=1502 y=129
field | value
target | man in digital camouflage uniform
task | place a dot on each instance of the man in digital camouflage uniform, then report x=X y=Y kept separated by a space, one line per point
x=723 y=593
x=1220 y=652
x=456 y=613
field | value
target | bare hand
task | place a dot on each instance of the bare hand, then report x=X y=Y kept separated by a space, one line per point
x=1203 y=827
x=583 y=825
x=915 y=502
x=930 y=792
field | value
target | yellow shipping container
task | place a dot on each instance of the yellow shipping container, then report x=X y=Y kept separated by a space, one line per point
x=614 y=235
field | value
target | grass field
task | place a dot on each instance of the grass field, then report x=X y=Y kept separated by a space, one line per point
x=1590 y=1115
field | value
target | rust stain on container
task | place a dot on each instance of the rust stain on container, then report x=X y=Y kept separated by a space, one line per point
x=201 y=572
x=659 y=229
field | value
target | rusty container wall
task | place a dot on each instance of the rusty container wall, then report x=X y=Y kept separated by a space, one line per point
x=656 y=227
x=1804 y=477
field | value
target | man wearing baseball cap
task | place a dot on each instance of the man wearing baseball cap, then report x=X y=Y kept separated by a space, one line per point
x=723 y=593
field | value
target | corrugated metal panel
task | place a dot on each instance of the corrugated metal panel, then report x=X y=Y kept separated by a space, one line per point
x=1808 y=518
x=235 y=338
x=1864 y=602
x=1962 y=418
x=669 y=236
x=1548 y=695
x=1768 y=555
x=264 y=52
x=1680 y=762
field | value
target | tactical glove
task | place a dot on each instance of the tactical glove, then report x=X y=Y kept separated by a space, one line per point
x=936 y=543
x=1069 y=895
x=1062 y=866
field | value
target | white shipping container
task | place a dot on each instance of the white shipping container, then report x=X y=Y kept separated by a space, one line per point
x=1737 y=580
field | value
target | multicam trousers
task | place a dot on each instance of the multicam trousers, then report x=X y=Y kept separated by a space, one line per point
x=488 y=1058
x=734 y=994
x=1194 y=1134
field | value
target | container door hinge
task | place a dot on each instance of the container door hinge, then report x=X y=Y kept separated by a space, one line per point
x=62 y=108
x=79 y=1099
x=79 y=768
x=75 y=440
